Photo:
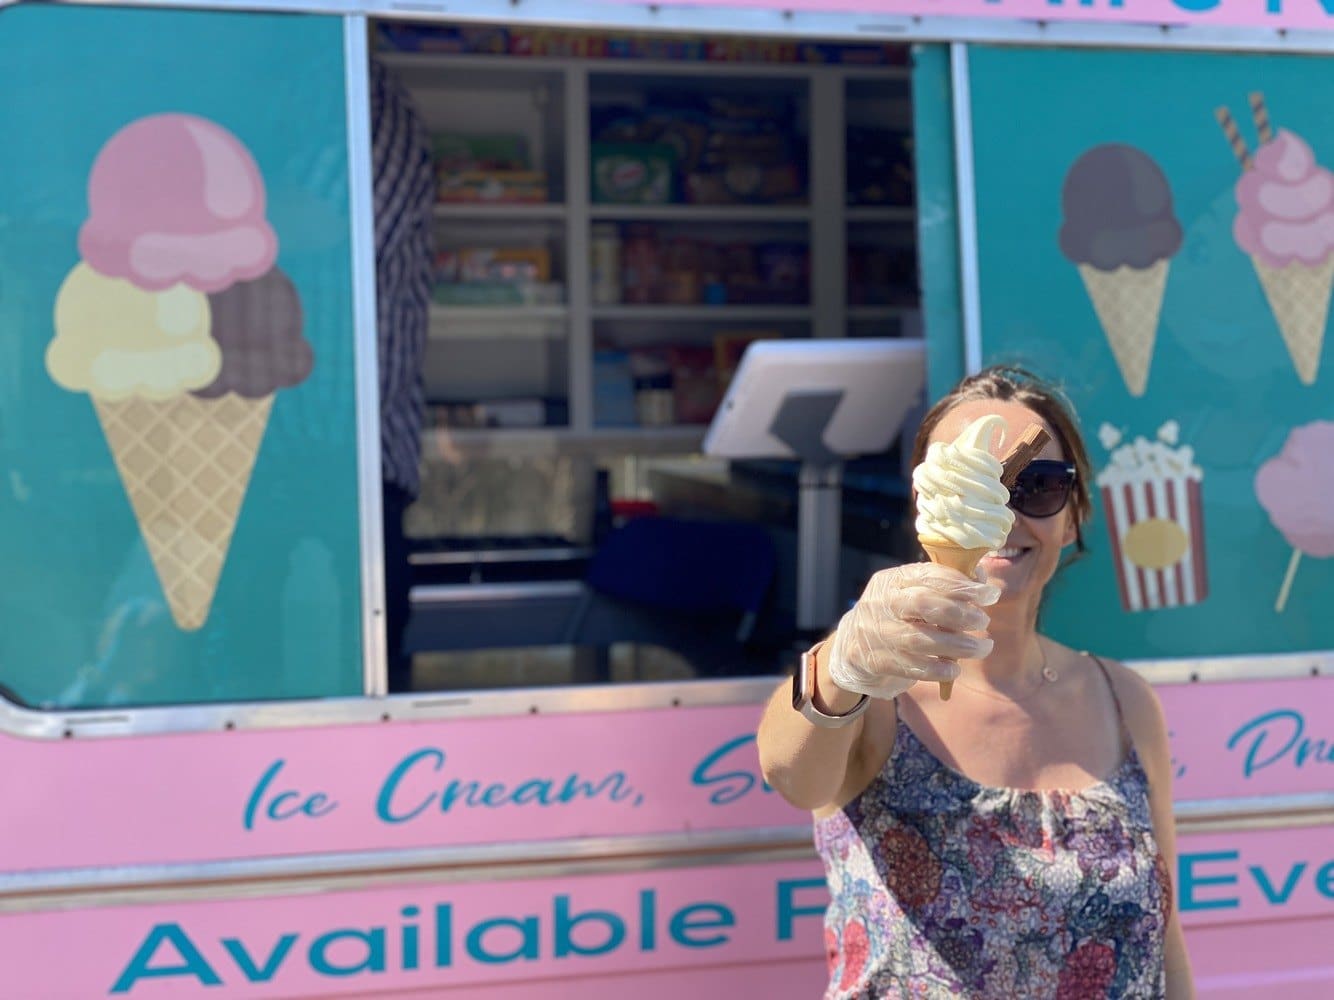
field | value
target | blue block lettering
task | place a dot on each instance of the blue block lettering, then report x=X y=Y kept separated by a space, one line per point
x=565 y=924
x=527 y=947
x=265 y=972
x=787 y=908
x=192 y=961
x=1190 y=882
x=371 y=961
x=713 y=915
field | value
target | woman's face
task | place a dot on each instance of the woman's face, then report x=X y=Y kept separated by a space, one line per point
x=1032 y=551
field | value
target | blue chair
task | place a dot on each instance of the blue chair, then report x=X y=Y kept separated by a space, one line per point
x=676 y=582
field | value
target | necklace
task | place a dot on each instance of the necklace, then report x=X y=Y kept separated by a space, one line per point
x=1046 y=675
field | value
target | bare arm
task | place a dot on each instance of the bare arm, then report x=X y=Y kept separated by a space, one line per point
x=910 y=624
x=804 y=763
x=1144 y=717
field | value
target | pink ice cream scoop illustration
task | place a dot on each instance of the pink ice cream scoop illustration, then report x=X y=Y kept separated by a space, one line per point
x=1285 y=223
x=1121 y=232
x=181 y=330
x=173 y=199
x=1294 y=488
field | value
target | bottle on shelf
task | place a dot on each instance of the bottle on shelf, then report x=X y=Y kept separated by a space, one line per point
x=605 y=264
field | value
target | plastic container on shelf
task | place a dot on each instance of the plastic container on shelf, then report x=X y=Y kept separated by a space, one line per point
x=605 y=264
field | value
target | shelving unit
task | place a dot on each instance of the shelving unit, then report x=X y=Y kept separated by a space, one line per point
x=552 y=102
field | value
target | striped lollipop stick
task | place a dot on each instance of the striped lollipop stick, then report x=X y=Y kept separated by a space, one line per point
x=1234 y=138
x=1261 y=116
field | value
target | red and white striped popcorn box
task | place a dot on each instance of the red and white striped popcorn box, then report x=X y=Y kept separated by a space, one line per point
x=1156 y=526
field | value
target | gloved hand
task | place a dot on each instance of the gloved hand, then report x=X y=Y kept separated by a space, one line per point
x=911 y=624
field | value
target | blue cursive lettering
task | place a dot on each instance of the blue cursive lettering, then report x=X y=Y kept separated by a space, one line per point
x=404 y=796
x=1285 y=729
x=734 y=784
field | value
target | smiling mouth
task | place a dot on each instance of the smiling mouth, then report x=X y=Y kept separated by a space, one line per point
x=1009 y=553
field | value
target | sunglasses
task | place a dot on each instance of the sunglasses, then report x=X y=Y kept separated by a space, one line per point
x=1042 y=488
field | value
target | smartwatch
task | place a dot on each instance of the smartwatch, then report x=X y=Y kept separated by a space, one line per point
x=803 y=695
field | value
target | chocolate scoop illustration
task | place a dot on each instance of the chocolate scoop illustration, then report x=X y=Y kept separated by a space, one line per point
x=1121 y=232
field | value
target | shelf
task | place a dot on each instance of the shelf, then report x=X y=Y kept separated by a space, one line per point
x=870 y=314
x=878 y=213
x=701 y=213
x=500 y=211
x=450 y=443
x=707 y=314
x=498 y=322
x=463 y=63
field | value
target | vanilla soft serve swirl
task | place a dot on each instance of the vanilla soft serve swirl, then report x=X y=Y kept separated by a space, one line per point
x=960 y=498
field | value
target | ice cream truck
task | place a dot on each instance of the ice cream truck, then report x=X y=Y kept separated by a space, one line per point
x=208 y=788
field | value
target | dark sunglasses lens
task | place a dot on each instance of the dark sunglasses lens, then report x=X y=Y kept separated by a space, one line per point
x=1042 y=489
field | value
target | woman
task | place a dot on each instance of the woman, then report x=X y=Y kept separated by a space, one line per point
x=1017 y=840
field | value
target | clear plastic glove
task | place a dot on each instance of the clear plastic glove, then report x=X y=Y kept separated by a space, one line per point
x=911 y=624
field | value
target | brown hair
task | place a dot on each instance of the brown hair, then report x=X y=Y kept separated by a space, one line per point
x=1010 y=383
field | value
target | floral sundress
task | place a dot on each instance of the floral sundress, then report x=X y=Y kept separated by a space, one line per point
x=942 y=887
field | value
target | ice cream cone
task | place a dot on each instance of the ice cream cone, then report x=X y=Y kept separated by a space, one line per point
x=1127 y=302
x=965 y=561
x=1299 y=298
x=185 y=463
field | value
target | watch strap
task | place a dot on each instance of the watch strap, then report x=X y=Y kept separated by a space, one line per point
x=804 y=690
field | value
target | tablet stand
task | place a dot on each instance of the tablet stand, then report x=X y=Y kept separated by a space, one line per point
x=820 y=401
x=800 y=423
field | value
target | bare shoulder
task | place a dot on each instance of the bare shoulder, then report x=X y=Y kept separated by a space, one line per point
x=1142 y=711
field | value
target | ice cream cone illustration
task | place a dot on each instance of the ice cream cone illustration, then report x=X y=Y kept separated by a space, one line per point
x=1121 y=233
x=1151 y=492
x=181 y=330
x=1294 y=488
x=1285 y=223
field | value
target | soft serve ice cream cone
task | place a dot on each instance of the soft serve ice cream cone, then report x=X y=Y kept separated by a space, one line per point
x=1120 y=231
x=961 y=501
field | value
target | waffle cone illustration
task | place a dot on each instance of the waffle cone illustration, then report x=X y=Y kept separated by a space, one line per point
x=1127 y=302
x=1285 y=216
x=185 y=463
x=1120 y=231
x=1298 y=295
x=942 y=553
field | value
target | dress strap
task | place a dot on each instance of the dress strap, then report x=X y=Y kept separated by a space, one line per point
x=1120 y=716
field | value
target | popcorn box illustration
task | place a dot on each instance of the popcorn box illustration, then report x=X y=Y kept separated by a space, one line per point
x=1155 y=519
x=181 y=329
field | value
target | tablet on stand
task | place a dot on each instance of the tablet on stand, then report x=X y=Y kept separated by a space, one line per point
x=820 y=402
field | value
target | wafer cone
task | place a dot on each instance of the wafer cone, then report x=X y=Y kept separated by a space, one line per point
x=1128 y=301
x=965 y=561
x=185 y=463
x=1299 y=298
